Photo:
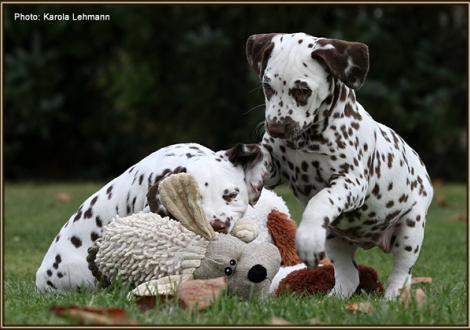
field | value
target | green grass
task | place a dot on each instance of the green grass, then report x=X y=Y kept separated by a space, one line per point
x=33 y=217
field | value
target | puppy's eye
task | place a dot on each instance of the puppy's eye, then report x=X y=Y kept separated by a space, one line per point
x=229 y=196
x=232 y=262
x=300 y=94
x=268 y=90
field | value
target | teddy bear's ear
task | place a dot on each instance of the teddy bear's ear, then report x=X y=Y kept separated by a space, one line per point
x=282 y=229
x=180 y=195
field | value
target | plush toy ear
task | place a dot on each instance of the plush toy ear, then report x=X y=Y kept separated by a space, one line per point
x=250 y=158
x=347 y=61
x=258 y=49
x=180 y=195
x=282 y=229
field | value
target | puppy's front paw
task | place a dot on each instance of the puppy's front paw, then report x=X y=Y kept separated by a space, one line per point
x=342 y=291
x=246 y=230
x=310 y=244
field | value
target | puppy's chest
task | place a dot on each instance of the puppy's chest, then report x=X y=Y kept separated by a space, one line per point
x=305 y=173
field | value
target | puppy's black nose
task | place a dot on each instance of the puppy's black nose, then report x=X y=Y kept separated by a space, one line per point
x=219 y=226
x=257 y=274
x=277 y=130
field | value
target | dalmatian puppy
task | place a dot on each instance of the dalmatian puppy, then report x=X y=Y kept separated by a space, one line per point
x=360 y=183
x=229 y=182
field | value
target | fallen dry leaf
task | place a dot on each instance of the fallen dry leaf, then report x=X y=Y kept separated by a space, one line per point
x=458 y=217
x=200 y=293
x=416 y=280
x=420 y=297
x=94 y=316
x=360 y=307
x=278 y=321
x=146 y=303
x=405 y=296
x=63 y=196
x=314 y=321
x=441 y=201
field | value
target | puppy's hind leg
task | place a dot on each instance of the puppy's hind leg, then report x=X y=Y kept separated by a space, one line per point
x=406 y=245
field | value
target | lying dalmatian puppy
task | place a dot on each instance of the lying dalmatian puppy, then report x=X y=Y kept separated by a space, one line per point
x=359 y=181
x=229 y=182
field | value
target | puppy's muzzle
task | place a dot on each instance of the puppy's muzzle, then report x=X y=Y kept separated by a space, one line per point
x=281 y=129
x=220 y=226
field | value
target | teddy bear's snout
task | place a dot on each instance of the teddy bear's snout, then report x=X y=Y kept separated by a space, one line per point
x=257 y=273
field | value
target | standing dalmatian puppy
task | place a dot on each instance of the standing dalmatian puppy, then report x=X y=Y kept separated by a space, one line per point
x=361 y=184
x=229 y=181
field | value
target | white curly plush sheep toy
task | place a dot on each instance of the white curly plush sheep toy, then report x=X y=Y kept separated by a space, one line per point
x=157 y=254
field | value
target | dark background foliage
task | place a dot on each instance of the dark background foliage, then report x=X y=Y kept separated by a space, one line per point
x=85 y=100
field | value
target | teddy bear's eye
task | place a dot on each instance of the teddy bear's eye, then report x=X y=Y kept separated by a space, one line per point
x=228 y=271
x=232 y=262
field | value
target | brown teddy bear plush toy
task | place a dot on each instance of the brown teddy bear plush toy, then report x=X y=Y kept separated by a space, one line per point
x=318 y=280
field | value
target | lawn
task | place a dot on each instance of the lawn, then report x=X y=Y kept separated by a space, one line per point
x=33 y=215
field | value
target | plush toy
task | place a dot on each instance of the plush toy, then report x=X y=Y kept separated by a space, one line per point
x=274 y=225
x=322 y=280
x=293 y=275
x=157 y=254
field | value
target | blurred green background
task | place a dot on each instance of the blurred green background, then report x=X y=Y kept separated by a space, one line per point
x=85 y=100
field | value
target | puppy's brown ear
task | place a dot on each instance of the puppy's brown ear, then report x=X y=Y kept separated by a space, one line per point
x=258 y=49
x=244 y=154
x=347 y=61
x=250 y=158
